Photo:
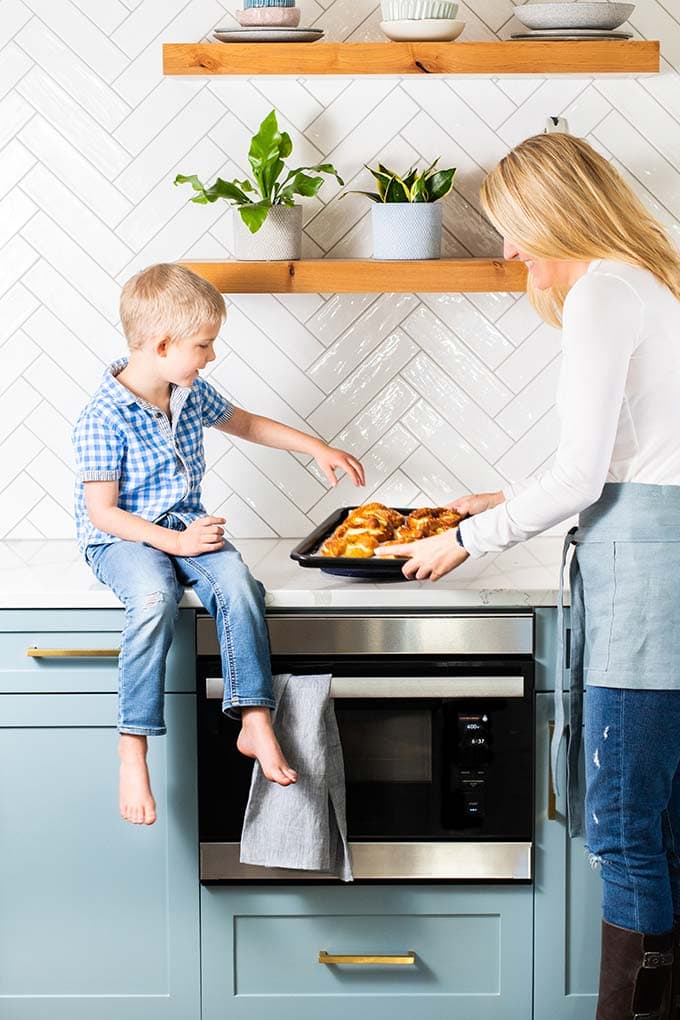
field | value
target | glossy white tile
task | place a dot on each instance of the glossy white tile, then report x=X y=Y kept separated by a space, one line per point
x=361 y=386
x=454 y=404
x=66 y=163
x=18 y=401
x=77 y=78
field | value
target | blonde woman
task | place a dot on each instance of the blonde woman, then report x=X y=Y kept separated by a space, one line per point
x=602 y=268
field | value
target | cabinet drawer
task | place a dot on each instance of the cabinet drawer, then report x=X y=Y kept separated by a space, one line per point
x=471 y=952
x=69 y=652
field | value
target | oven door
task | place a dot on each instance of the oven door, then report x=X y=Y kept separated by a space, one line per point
x=438 y=765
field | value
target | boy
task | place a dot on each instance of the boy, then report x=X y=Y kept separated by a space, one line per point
x=144 y=531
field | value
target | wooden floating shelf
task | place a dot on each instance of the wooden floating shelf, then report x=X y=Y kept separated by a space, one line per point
x=611 y=56
x=362 y=276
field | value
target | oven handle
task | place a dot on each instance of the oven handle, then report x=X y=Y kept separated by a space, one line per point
x=408 y=687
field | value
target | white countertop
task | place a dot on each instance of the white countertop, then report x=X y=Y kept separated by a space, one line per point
x=51 y=574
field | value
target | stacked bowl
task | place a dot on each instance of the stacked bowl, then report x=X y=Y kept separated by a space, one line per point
x=268 y=21
x=420 y=20
x=269 y=14
x=580 y=20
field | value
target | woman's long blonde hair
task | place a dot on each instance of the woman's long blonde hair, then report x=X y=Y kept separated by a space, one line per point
x=557 y=198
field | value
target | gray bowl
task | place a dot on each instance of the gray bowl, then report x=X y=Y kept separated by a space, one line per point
x=604 y=16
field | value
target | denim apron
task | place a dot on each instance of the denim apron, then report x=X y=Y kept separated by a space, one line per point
x=625 y=610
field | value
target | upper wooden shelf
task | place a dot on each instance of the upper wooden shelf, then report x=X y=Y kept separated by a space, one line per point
x=611 y=56
x=362 y=276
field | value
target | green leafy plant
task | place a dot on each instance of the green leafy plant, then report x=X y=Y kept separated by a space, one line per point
x=414 y=186
x=273 y=183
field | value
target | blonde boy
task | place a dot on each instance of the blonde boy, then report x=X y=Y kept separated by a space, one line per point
x=144 y=531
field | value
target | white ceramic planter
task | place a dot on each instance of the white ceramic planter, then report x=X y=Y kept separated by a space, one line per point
x=279 y=239
x=405 y=230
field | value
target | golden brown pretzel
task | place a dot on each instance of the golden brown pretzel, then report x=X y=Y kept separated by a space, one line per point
x=427 y=521
x=366 y=527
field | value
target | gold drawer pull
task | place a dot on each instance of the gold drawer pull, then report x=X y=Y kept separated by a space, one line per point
x=73 y=653
x=400 y=961
x=552 y=803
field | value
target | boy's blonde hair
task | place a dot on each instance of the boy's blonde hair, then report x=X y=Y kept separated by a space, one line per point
x=557 y=198
x=168 y=300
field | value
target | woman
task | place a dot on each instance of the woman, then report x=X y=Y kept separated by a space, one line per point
x=602 y=268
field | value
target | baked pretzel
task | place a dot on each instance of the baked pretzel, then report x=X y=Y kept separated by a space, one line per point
x=427 y=521
x=368 y=526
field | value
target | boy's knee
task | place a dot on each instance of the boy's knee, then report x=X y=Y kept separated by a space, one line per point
x=155 y=600
x=242 y=582
x=156 y=604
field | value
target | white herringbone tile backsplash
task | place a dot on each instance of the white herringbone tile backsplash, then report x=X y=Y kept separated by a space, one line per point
x=438 y=393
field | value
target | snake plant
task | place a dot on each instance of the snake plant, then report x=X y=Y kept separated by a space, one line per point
x=414 y=186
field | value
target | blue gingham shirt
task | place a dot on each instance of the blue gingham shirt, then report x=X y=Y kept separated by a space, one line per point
x=159 y=466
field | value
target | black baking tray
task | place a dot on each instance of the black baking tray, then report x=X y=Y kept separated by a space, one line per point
x=370 y=568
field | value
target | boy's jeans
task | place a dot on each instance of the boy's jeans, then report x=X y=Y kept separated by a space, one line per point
x=632 y=741
x=150 y=584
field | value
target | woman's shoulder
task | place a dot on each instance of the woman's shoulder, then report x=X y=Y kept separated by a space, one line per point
x=636 y=278
x=609 y=282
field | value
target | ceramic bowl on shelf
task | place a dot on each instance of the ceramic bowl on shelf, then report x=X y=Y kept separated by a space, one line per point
x=269 y=17
x=603 y=16
x=569 y=35
x=427 y=30
x=268 y=34
x=415 y=10
x=268 y=3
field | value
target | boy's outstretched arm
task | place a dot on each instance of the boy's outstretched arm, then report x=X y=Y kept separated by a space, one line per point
x=268 y=432
x=203 y=535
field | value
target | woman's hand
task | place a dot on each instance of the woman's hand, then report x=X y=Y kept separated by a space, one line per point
x=329 y=460
x=468 y=506
x=428 y=557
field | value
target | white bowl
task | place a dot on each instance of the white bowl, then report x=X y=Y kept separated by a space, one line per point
x=414 y=10
x=427 y=30
x=605 y=16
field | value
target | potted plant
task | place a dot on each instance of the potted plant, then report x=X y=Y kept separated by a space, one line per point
x=269 y=224
x=407 y=221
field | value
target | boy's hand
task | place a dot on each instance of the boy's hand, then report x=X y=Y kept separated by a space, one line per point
x=328 y=459
x=202 y=536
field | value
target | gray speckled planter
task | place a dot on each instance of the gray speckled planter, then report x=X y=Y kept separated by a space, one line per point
x=279 y=239
x=404 y=230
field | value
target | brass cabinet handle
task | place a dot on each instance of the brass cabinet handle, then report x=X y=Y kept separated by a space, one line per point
x=73 y=653
x=552 y=804
x=407 y=960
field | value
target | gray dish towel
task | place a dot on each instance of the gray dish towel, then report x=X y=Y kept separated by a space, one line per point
x=304 y=825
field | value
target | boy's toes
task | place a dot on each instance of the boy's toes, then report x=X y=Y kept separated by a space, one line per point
x=284 y=776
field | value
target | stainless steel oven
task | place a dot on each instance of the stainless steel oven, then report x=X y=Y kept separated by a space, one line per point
x=435 y=712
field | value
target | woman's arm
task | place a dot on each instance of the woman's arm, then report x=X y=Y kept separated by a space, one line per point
x=602 y=322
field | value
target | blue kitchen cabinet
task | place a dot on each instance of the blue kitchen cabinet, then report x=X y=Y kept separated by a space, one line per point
x=545 y=654
x=567 y=901
x=472 y=945
x=98 y=918
x=73 y=633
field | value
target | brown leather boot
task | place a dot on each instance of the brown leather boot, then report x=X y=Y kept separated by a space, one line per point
x=674 y=1012
x=635 y=973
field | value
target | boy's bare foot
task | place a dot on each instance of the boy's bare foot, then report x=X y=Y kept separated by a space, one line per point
x=257 y=740
x=135 y=798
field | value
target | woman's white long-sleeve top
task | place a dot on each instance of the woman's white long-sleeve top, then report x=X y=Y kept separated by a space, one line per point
x=618 y=400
